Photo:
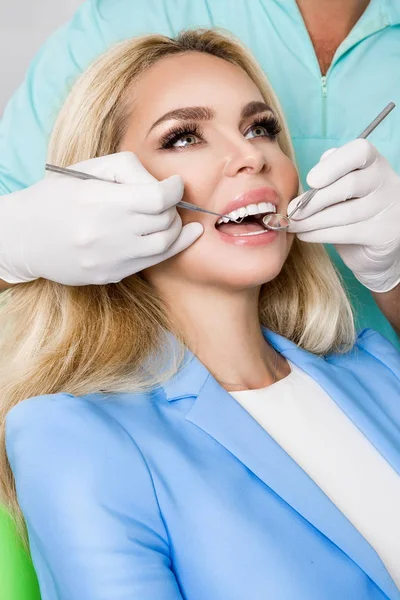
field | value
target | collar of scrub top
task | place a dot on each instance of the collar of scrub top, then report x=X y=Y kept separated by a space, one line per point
x=218 y=414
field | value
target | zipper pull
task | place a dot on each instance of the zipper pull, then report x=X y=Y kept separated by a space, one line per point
x=324 y=87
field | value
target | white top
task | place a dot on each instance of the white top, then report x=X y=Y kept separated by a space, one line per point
x=304 y=420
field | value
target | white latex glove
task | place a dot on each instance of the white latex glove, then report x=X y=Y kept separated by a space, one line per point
x=92 y=232
x=358 y=210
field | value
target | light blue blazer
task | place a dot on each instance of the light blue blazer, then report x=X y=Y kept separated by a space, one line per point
x=181 y=494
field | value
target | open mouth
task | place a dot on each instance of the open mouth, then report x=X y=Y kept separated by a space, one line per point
x=246 y=221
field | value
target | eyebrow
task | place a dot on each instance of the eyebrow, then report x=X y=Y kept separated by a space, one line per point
x=206 y=113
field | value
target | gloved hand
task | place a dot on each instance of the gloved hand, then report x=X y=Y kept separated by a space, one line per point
x=358 y=210
x=91 y=232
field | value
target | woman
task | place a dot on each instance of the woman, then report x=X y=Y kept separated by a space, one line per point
x=160 y=454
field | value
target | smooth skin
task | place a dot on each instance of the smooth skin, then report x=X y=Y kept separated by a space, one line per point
x=212 y=288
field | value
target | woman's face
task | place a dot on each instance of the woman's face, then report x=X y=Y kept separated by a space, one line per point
x=220 y=158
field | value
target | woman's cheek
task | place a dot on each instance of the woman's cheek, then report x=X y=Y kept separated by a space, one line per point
x=199 y=192
x=286 y=180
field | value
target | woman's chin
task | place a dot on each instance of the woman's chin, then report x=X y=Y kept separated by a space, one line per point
x=252 y=278
x=245 y=271
x=236 y=263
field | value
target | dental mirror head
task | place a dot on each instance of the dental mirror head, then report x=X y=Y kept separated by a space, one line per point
x=275 y=221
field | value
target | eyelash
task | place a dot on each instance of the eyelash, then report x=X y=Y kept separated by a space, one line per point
x=270 y=123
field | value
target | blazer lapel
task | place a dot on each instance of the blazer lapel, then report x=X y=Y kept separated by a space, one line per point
x=220 y=416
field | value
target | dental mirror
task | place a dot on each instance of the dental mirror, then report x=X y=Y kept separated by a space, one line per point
x=275 y=221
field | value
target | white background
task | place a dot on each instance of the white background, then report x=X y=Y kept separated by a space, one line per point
x=24 y=27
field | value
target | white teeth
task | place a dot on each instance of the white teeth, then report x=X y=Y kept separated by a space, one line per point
x=250 y=209
x=250 y=234
x=235 y=214
x=265 y=207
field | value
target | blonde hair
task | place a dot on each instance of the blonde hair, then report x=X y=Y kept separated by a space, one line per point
x=58 y=338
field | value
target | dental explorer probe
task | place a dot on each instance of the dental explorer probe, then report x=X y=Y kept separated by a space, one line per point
x=311 y=193
x=82 y=175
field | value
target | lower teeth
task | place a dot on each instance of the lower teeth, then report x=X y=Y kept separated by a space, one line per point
x=249 y=234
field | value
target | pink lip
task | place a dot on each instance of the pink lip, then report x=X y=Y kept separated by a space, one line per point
x=262 y=194
x=257 y=240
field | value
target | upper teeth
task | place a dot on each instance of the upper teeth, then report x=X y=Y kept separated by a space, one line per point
x=245 y=211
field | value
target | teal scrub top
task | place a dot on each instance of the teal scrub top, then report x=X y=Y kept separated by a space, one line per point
x=322 y=111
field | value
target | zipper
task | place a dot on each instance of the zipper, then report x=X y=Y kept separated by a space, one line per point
x=324 y=90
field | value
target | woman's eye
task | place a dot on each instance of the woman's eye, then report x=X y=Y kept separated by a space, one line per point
x=260 y=128
x=184 y=138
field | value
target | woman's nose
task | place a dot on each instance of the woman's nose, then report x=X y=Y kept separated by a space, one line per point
x=246 y=157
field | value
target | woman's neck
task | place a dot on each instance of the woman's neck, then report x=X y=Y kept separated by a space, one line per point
x=223 y=330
